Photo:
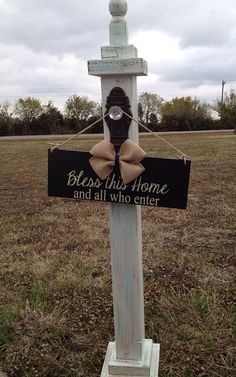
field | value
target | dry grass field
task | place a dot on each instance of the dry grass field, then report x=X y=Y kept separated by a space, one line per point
x=56 y=314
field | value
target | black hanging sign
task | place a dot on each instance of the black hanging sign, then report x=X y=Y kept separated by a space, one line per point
x=164 y=183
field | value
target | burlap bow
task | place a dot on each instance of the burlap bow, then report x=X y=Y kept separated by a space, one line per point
x=130 y=155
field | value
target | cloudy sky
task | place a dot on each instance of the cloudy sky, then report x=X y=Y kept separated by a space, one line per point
x=190 y=46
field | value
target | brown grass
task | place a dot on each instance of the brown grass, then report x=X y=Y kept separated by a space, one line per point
x=55 y=281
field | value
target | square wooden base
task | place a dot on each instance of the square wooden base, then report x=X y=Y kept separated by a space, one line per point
x=148 y=367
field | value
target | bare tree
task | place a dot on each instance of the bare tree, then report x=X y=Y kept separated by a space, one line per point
x=28 y=110
x=6 y=120
x=149 y=105
x=80 y=109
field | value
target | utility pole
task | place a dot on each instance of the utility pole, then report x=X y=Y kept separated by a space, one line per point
x=222 y=90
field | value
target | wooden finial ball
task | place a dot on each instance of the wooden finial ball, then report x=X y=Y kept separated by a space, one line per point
x=118 y=8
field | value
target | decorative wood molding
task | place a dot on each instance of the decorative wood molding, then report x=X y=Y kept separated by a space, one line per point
x=106 y=67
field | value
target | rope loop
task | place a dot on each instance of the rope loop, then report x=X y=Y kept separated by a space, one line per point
x=182 y=155
x=56 y=146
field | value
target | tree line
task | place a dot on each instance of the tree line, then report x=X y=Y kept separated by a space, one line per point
x=29 y=116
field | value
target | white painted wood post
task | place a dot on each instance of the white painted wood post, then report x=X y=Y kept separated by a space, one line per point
x=130 y=354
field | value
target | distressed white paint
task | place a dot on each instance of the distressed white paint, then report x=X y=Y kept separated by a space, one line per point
x=132 y=367
x=130 y=353
x=153 y=367
x=119 y=52
x=118 y=28
x=127 y=279
x=107 y=67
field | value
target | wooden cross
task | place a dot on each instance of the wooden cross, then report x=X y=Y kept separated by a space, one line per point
x=131 y=354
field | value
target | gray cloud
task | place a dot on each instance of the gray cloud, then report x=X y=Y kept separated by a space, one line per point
x=200 y=65
x=196 y=23
x=52 y=26
x=45 y=45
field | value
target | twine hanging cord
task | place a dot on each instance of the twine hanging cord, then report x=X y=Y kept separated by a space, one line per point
x=182 y=155
x=56 y=146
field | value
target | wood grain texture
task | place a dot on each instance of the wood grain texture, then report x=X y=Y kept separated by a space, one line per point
x=134 y=66
x=127 y=280
x=153 y=367
x=126 y=249
x=121 y=52
x=132 y=367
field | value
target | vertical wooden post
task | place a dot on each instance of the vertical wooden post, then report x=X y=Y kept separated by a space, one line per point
x=130 y=354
